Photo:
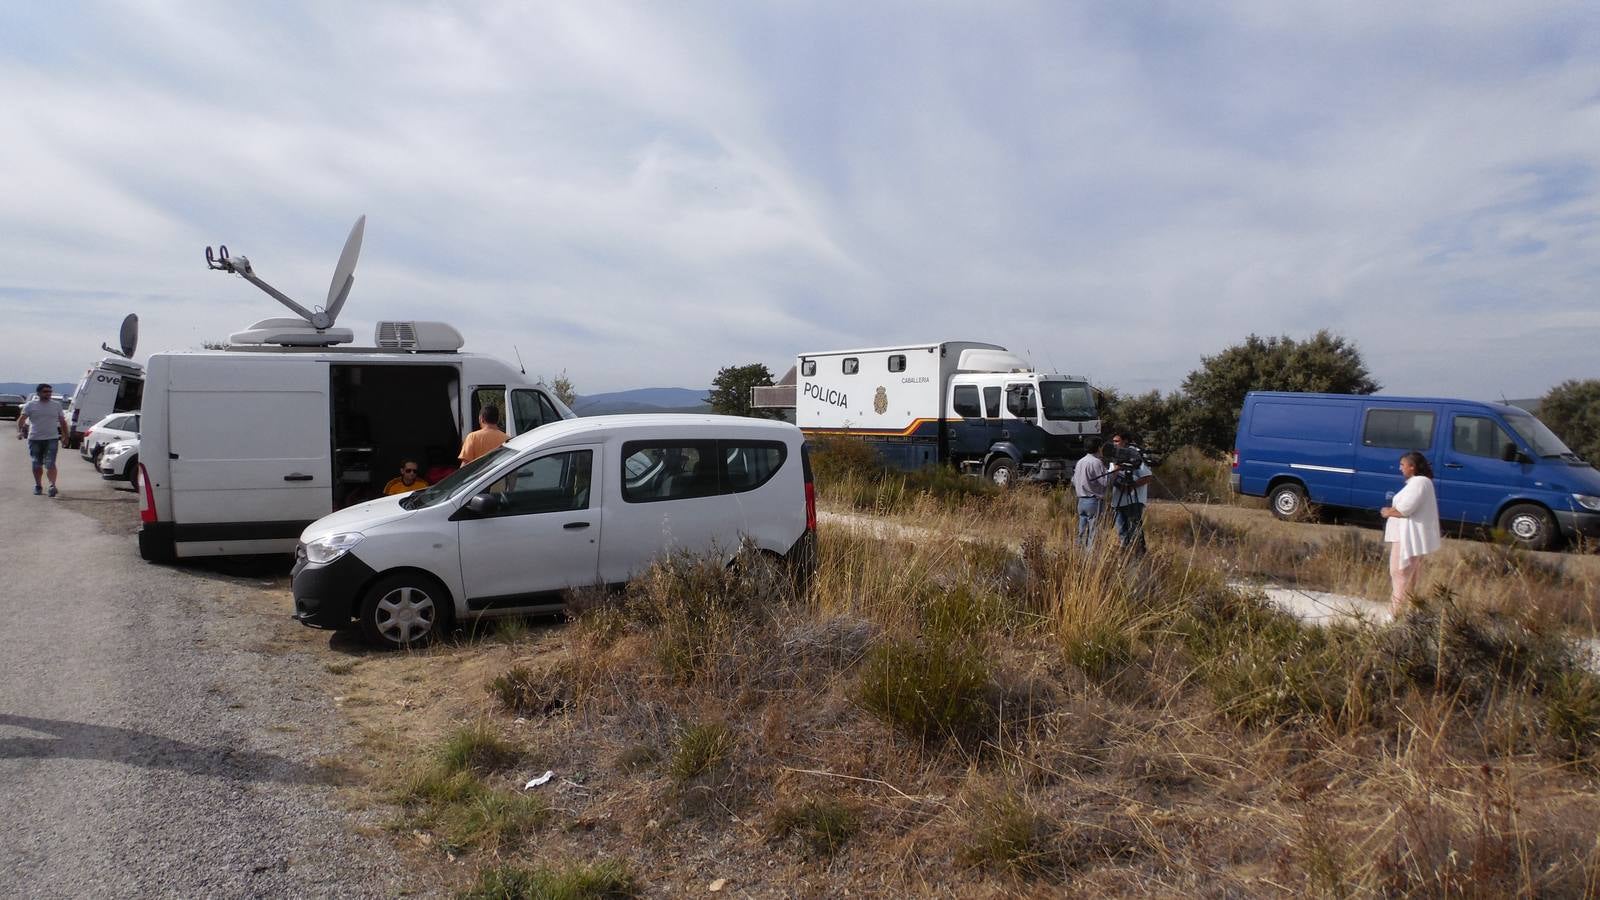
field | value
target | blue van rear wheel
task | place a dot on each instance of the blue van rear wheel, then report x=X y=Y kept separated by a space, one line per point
x=1289 y=502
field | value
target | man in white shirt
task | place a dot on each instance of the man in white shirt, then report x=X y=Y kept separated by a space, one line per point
x=44 y=423
x=1089 y=483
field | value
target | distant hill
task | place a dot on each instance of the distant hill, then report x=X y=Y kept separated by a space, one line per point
x=643 y=400
x=25 y=388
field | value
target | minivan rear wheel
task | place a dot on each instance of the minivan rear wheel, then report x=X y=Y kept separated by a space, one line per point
x=1289 y=502
x=1528 y=526
x=404 y=610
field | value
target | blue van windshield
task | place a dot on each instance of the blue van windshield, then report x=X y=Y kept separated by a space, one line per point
x=1538 y=435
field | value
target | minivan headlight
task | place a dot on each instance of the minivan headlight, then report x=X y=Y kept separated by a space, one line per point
x=1587 y=502
x=325 y=550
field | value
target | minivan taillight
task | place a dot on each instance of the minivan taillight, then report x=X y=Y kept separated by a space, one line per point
x=147 y=509
x=811 y=487
x=1234 y=453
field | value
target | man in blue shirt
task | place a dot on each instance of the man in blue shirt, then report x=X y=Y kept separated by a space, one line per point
x=1130 y=491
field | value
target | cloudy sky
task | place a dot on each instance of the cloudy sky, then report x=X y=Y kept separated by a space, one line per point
x=639 y=194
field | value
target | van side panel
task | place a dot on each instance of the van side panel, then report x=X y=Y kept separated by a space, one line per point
x=1307 y=439
x=248 y=451
x=1387 y=430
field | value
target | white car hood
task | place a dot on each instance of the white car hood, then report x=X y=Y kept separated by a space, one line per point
x=360 y=517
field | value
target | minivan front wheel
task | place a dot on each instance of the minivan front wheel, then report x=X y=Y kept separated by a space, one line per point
x=403 y=610
x=1289 y=502
x=1528 y=526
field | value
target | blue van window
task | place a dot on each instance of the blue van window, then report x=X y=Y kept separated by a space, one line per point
x=1399 y=429
x=1303 y=421
x=1478 y=436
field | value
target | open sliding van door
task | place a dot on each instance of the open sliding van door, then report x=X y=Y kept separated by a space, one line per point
x=529 y=409
x=248 y=441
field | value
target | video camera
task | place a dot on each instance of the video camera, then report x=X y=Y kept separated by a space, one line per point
x=1123 y=467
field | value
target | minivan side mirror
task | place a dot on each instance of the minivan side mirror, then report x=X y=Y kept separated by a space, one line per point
x=1510 y=453
x=484 y=504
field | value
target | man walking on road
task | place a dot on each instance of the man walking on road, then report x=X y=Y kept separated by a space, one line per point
x=488 y=436
x=44 y=423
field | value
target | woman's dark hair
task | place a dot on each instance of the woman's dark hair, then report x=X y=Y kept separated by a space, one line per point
x=1420 y=463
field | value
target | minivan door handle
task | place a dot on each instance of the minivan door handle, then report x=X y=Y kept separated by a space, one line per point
x=575 y=526
x=298 y=477
x=1452 y=465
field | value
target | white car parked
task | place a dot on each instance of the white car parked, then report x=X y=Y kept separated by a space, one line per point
x=119 y=461
x=575 y=503
x=115 y=427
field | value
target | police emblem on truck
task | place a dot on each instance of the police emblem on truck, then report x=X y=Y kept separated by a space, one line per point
x=880 y=401
x=832 y=398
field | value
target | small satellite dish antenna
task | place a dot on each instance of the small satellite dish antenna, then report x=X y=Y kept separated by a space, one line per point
x=322 y=318
x=129 y=337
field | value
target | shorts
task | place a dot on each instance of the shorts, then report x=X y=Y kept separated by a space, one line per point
x=43 y=453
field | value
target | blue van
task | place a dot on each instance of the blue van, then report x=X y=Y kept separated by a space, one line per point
x=1494 y=466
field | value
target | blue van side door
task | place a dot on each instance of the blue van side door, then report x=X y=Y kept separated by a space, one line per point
x=1471 y=474
x=1388 y=430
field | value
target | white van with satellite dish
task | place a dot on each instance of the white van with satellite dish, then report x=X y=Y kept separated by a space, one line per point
x=242 y=448
x=113 y=385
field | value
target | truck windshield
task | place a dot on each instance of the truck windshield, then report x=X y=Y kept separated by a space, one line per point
x=1539 y=436
x=1069 y=401
x=452 y=484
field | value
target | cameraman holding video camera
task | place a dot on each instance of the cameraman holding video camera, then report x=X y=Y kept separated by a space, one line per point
x=1128 y=489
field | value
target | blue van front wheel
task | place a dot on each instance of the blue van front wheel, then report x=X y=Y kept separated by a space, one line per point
x=1528 y=526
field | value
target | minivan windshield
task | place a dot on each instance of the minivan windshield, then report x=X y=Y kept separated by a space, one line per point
x=1539 y=436
x=1070 y=401
x=452 y=484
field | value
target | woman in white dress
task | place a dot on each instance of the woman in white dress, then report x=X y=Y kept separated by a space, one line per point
x=1413 y=527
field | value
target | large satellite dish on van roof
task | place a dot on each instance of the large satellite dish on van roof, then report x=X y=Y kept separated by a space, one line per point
x=129 y=337
x=319 y=320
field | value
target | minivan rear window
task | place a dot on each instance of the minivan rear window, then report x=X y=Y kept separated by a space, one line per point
x=1398 y=429
x=683 y=470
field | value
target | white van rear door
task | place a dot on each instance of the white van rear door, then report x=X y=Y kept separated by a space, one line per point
x=249 y=440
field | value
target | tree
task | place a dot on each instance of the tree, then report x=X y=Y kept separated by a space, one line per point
x=1147 y=417
x=1572 y=410
x=730 y=391
x=564 y=390
x=1214 y=393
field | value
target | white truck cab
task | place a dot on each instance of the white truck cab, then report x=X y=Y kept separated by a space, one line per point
x=973 y=405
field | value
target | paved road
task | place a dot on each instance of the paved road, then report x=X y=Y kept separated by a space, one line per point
x=160 y=728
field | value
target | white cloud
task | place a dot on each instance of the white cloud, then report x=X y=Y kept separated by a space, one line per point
x=641 y=194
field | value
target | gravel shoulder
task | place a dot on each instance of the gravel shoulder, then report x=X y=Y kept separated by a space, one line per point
x=166 y=731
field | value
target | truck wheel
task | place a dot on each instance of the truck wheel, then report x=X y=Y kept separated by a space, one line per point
x=404 y=610
x=1002 y=471
x=1289 y=502
x=1528 y=526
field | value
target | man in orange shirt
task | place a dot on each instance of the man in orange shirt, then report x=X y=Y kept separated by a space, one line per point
x=486 y=438
x=407 y=481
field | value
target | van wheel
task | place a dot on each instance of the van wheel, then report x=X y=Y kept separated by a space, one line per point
x=404 y=610
x=1528 y=526
x=1002 y=471
x=1289 y=502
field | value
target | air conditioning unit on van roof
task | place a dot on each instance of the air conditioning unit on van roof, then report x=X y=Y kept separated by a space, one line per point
x=422 y=337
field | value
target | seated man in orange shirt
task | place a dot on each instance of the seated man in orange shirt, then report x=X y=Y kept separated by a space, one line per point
x=486 y=438
x=407 y=481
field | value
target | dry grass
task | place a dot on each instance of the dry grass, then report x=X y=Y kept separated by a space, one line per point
x=944 y=715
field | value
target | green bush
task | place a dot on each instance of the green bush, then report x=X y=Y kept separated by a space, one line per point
x=822 y=825
x=933 y=689
x=476 y=748
x=1190 y=475
x=1572 y=712
x=1009 y=834
x=522 y=691
x=605 y=880
x=701 y=749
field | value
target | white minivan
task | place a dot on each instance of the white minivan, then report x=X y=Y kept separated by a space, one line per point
x=575 y=503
